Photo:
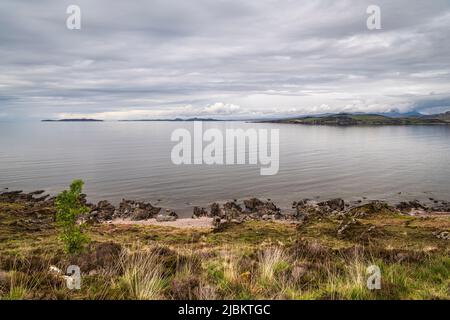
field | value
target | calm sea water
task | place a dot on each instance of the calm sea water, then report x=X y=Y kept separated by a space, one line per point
x=132 y=160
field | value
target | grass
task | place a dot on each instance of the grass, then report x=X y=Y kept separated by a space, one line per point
x=142 y=276
x=253 y=260
x=271 y=262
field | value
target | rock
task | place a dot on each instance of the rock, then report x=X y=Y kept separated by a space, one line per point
x=406 y=207
x=37 y=192
x=199 y=212
x=10 y=196
x=171 y=213
x=371 y=208
x=140 y=214
x=253 y=204
x=332 y=205
x=103 y=211
x=165 y=218
x=20 y=196
x=232 y=205
x=279 y=216
x=441 y=207
x=215 y=210
x=136 y=210
x=301 y=216
x=231 y=210
x=270 y=206
x=216 y=222
x=55 y=270
x=444 y=235
x=306 y=208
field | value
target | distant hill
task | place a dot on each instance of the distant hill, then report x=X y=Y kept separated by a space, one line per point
x=72 y=120
x=401 y=115
x=441 y=116
x=347 y=119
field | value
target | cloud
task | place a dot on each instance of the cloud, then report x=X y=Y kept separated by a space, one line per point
x=166 y=58
x=218 y=110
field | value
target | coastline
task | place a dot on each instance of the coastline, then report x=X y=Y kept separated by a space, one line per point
x=227 y=250
x=133 y=212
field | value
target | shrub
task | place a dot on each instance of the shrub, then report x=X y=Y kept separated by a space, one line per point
x=69 y=207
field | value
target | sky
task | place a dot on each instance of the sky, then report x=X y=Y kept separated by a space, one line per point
x=226 y=59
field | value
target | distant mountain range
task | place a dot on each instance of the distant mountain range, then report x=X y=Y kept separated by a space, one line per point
x=176 y=119
x=350 y=119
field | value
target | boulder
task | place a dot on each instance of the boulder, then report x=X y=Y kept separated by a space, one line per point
x=136 y=210
x=199 y=212
x=406 y=207
x=305 y=208
x=20 y=196
x=253 y=204
x=231 y=210
x=103 y=211
x=140 y=214
x=215 y=210
x=329 y=206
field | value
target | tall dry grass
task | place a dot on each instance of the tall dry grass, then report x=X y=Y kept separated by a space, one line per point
x=142 y=275
x=271 y=261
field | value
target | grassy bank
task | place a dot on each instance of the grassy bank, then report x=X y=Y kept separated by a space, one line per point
x=250 y=260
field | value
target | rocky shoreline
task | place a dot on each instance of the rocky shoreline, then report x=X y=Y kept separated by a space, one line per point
x=313 y=247
x=40 y=210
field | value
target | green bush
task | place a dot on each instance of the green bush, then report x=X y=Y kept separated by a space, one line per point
x=69 y=207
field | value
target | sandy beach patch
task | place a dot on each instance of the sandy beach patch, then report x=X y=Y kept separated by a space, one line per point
x=202 y=222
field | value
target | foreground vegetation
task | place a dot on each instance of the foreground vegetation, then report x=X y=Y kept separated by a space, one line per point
x=250 y=260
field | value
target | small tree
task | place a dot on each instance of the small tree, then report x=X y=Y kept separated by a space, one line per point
x=68 y=208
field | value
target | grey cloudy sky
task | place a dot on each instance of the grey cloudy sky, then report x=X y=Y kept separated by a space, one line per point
x=222 y=58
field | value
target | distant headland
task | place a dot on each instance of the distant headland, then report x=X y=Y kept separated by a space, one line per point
x=176 y=119
x=349 y=119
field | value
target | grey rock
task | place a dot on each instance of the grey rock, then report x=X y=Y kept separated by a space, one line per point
x=165 y=218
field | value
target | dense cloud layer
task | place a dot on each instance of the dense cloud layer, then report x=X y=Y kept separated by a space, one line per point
x=222 y=58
